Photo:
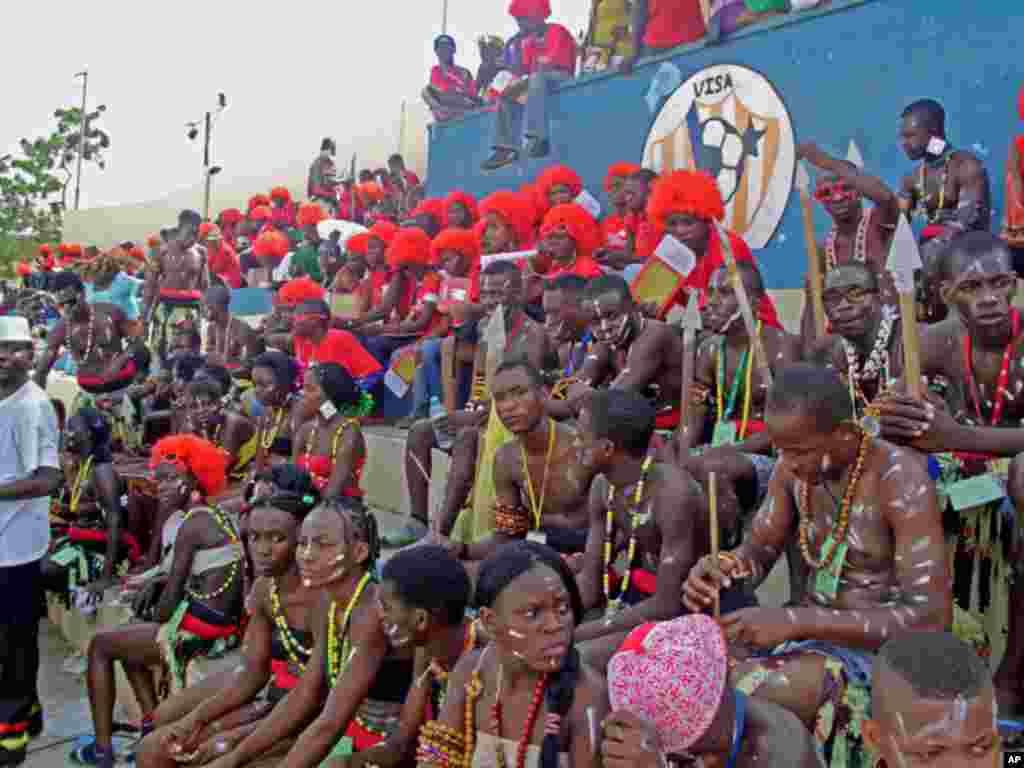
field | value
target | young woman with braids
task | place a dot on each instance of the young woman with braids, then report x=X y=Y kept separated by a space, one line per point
x=329 y=444
x=212 y=419
x=352 y=688
x=199 y=584
x=274 y=377
x=205 y=721
x=526 y=700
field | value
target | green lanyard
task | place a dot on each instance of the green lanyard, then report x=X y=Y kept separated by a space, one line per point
x=734 y=391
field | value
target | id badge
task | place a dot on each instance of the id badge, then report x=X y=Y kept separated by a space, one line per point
x=826 y=580
x=538 y=537
x=724 y=434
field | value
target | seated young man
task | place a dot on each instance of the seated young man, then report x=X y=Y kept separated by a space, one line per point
x=932 y=702
x=979 y=437
x=871 y=534
x=654 y=513
x=451 y=91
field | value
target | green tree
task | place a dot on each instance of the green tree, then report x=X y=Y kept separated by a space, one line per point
x=34 y=183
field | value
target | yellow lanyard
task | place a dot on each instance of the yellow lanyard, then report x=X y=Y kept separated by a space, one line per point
x=538 y=508
x=747 y=394
x=79 y=487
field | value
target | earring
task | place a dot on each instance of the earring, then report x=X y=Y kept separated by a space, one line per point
x=196 y=497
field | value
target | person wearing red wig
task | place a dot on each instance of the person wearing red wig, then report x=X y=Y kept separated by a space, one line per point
x=686 y=205
x=268 y=251
x=613 y=226
x=194 y=596
x=382 y=294
x=282 y=213
x=557 y=185
x=508 y=221
x=306 y=258
x=541 y=55
x=460 y=210
x=224 y=262
x=570 y=235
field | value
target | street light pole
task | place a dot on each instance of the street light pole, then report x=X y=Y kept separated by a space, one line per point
x=206 y=169
x=444 y=17
x=82 y=128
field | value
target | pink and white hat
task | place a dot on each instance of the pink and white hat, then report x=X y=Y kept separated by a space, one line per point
x=672 y=674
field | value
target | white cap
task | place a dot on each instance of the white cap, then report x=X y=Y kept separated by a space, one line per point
x=14 y=329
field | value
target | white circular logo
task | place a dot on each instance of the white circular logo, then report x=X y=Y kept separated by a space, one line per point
x=729 y=121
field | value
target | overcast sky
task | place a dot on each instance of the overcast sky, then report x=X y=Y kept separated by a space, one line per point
x=293 y=72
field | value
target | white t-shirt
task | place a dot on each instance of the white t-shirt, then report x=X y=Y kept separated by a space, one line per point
x=28 y=441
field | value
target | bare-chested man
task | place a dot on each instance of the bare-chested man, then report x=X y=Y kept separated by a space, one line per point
x=631 y=351
x=567 y=323
x=177 y=277
x=870 y=531
x=99 y=337
x=501 y=289
x=982 y=362
x=653 y=513
x=230 y=341
x=540 y=488
x=857 y=236
x=950 y=189
x=728 y=399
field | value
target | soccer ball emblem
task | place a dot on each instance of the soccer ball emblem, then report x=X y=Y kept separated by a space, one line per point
x=722 y=152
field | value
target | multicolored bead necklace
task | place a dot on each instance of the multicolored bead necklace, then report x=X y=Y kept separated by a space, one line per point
x=613 y=605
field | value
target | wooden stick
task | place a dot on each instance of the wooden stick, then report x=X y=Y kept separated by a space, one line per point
x=904 y=260
x=803 y=183
x=713 y=522
x=691 y=324
x=911 y=345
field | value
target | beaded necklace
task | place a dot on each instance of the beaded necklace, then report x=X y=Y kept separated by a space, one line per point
x=842 y=525
x=745 y=371
x=860 y=242
x=79 y=487
x=439 y=675
x=609 y=530
x=296 y=651
x=922 y=191
x=338 y=657
x=311 y=442
x=229 y=531
x=878 y=360
x=1001 y=381
x=536 y=508
x=267 y=436
x=531 y=719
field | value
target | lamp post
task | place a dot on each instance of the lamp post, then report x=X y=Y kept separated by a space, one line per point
x=193 y=133
x=82 y=128
x=444 y=17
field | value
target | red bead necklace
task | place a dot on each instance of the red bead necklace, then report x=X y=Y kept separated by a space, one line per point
x=1004 y=374
x=531 y=719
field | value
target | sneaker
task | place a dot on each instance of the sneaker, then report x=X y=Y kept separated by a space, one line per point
x=536 y=147
x=12 y=749
x=500 y=159
x=410 y=533
x=89 y=754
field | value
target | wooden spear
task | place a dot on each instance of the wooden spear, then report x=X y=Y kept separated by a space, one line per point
x=803 y=183
x=904 y=261
x=691 y=326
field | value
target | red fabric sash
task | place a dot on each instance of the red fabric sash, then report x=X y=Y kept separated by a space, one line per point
x=79 y=535
x=180 y=294
x=644 y=581
x=200 y=628
x=362 y=739
x=126 y=374
x=667 y=419
x=283 y=677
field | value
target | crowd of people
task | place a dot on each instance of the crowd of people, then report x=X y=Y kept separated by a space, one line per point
x=619 y=486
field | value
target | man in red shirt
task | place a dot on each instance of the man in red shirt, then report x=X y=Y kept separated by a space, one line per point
x=220 y=256
x=660 y=25
x=451 y=91
x=314 y=341
x=399 y=176
x=541 y=56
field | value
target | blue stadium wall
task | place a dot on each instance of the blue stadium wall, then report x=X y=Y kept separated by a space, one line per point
x=842 y=73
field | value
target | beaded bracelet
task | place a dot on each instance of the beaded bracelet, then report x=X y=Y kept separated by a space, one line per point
x=511 y=519
x=440 y=744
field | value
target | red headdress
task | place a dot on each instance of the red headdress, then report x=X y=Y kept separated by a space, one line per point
x=385 y=231
x=432 y=206
x=410 y=247
x=690 y=192
x=137 y=253
x=310 y=214
x=458 y=196
x=204 y=229
x=554 y=176
x=257 y=200
x=465 y=241
x=231 y=216
x=532 y=9
x=574 y=220
x=154 y=241
x=357 y=243
x=516 y=210
x=47 y=251
x=261 y=213
x=619 y=171
x=24 y=269
x=271 y=244
x=281 y=193
x=371 y=191
x=294 y=292
x=207 y=463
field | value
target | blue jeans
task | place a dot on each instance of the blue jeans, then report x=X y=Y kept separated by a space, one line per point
x=535 y=113
x=427 y=381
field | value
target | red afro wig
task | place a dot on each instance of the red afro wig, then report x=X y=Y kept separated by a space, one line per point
x=690 y=192
x=258 y=200
x=137 y=253
x=230 y=216
x=516 y=210
x=23 y=269
x=281 y=193
x=619 y=171
x=46 y=250
x=261 y=213
x=434 y=207
x=154 y=241
x=371 y=192
x=357 y=243
x=410 y=247
x=554 y=176
x=204 y=229
x=464 y=241
x=294 y=292
x=384 y=231
x=531 y=9
x=575 y=221
x=271 y=244
x=207 y=463
x=467 y=200
x=310 y=215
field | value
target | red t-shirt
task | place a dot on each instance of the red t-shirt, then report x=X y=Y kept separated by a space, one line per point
x=225 y=264
x=583 y=266
x=645 y=235
x=673 y=22
x=340 y=347
x=558 y=47
x=613 y=231
x=455 y=80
